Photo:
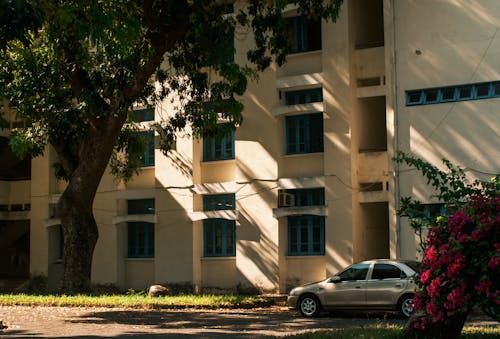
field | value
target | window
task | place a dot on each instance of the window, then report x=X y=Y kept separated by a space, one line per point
x=304 y=133
x=387 y=271
x=304 y=96
x=306 y=235
x=413 y=98
x=146 y=114
x=219 y=234
x=428 y=211
x=355 y=272
x=434 y=210
x=140 y=240
x=431 y=96
x=148 y=159
x=219 y=238
x=217 y=202
x=465 y=92
x=307 y=196
x=448 y=94
x=483 y=90
x=304 y=34
x=141 y=206
x=218 y=147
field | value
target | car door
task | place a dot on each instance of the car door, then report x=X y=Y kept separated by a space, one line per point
x=386 y=283
x=348 y=287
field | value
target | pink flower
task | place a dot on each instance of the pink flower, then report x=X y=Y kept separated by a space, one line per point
x=494 y=263
x=431 y=254
x=434 y=288
x=454 y=270
x=425 y=276
x=418 y=301
x=483 y=286
x=476 y=235
x=462 y=238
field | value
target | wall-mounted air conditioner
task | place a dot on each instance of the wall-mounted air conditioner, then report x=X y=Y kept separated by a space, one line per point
x=285 y=199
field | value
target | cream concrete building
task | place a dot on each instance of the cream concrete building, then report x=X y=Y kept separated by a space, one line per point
x=306 y=185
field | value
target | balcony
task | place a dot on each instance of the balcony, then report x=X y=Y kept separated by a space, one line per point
x=373 y=176
x=370 y=72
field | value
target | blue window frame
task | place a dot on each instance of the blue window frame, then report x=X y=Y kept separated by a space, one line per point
x=219 y=238
x=304 y=96
x=141 y=240
x=146 y=114
x=308 y=196
x=306 y=235
x=148 y=159
x=218 y=147
x=448 y=94
x=141 y=206
x=414 y=97
x=464 y=92
x=217 y=202
x=483 y=90
x=431 y=96
x=304 y=34
x=496 y=89
x=476 y=91
x=304 y=133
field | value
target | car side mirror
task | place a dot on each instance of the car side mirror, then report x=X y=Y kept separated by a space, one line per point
x=335 y=279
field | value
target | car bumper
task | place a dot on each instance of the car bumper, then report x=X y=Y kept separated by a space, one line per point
x=292 y=302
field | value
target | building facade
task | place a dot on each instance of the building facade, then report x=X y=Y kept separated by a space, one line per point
x=307 y=184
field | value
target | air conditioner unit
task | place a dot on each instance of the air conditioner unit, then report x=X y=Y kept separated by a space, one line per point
x=286 y=199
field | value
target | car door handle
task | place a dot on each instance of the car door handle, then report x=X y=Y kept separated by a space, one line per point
x=398 y=285
x=358 y=286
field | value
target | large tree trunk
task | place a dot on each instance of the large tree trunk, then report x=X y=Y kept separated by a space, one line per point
x=80 y=237
x=79 y=227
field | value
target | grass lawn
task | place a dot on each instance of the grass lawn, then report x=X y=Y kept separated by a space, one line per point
x=139 y=301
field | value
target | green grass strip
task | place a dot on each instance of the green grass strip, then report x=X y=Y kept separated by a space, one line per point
x=138 y=301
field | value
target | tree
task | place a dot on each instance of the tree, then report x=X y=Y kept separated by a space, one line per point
x=461 y=263
x=76 y=77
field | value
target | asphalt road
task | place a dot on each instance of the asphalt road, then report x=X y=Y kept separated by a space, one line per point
x=64 y=322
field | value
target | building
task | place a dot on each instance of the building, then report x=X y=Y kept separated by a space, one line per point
x=307 y=185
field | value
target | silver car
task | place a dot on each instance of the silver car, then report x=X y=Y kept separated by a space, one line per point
x=379 y=284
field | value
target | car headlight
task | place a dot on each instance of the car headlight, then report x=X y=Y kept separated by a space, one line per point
x=293 y=292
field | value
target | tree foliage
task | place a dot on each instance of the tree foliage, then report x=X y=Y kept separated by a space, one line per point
x=75 y=73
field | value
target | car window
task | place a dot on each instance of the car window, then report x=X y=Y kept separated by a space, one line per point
x=414 y=265
x=387 y=271
x=355 y=272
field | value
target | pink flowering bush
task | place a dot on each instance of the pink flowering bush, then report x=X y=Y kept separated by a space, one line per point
x=461 y=269
x=461 y=263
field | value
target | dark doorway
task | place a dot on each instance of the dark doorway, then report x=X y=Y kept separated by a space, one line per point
x=14 y=249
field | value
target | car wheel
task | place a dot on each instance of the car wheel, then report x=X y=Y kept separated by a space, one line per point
x=309 y=306
x=406 y=305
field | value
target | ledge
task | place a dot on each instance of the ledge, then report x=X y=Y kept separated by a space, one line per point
x=151 y=218
x=314 y=107
x=289 y=211
x=224 y=214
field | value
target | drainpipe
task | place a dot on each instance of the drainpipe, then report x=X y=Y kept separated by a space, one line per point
x=396 y=128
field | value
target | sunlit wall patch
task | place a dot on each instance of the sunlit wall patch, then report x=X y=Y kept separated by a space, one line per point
x=464 y=92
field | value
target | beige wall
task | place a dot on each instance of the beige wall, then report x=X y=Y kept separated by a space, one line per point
x=426 y=44
x=457 y=45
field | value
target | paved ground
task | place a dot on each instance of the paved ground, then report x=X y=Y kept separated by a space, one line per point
x=63 y=322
